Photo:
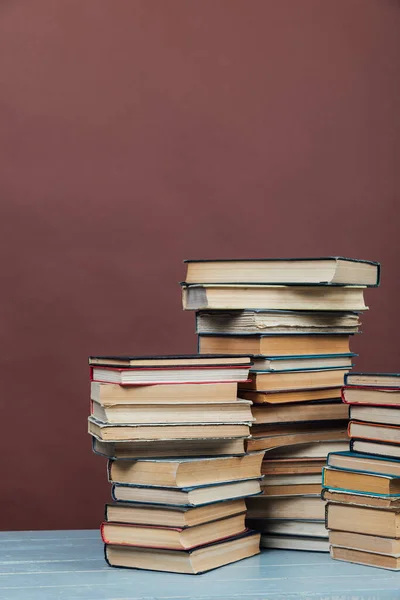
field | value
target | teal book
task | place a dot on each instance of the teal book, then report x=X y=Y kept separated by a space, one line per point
x=360 y=482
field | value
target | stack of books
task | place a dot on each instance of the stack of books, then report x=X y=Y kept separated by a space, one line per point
x=296 y=318
x=362 y=487
x=174 y=433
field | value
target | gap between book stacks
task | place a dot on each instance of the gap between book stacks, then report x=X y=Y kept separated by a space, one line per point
x=185 y=436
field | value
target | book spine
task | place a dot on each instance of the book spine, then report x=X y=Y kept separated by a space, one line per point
x=326 y=515
x=102 y=533
x=109 y=466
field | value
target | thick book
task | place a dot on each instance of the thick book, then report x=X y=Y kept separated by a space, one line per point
x=296 y=507
x=370 y=559
x=286 y=413
x=375 y=414
x=360 y=519
x=291 y=485
x=189 y=562
x=311 y=529
x=265 y=437
x=365 y=543
x=303 y=363
x=108 y=394
x=375 y=447
x=360 y=499
x=269 y=345
x=185 y=472
x=175 y=516
x=316 y=450
x=172 y=538
x=147 y=376
x=270 y=381
x=327 y=270
x=116 y=432
x=374 y=432
x=146 y=414
x=239 y=297
x=291 y=396
x=380 y=380
x=358 y=481
x=186 y=497
x=355 y=461
x=169 y=448
x=243 y=322
x=168 y=361
x=290 y=542
x=371 y=396
x=292 y=466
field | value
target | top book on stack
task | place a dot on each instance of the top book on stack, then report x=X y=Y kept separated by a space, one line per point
x=332 y=283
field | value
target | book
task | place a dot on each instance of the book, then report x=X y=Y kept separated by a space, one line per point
x=179 y=393
x=370 y=559
x=371 y=396
x=329 y=270
x=291 y=396
x=169 y=448
x=287 y=413
x=318 y=449
x=354 y=461
x=302 y=363
x=374 y=432
x=265 y=437
x=268 y=380
x=375 y=414
x=294 y=488
x=378 y=448
x=289 y=542
x=116 y=432
x=312 y=528
x=189 y=497
x=175 y=516
x=295 y=466
x=172 y=538
x=227 y=297
x=379 y=380
x=361 y=499
x=295 y=507
x=185 y=472
x=276 y=321
x=147 y=376
x=365 y=543
x=168 y=361
x=224 y=412
x=360 y=519
x=192 y=562
x=358 y=481
x=268 y=345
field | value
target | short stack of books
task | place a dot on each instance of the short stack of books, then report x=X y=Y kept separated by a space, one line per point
x=295 y=317
x=362 y=487
x=174 y=432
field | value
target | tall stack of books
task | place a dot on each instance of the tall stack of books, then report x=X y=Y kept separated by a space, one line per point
x=362 y=487
x=174 y=431
x=296 y=318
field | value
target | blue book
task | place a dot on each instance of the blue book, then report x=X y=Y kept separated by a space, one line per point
x=361 y=482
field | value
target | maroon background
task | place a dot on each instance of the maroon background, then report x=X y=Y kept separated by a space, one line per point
x=135 y=134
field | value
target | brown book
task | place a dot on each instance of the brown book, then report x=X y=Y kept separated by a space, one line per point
x=379 y=380
x=312 y=528
x=172 y=538
x=296 y=507
x=365 y=543
x=370 y=559
x=227 y=297
x=184 y=472
x=276 y=345
x=147 y=514
x=170 y=448
x=370 y=447
x=360 y=519
x=318 y=411
x=374 y=432
x=106 y=432
x=288 y=466
x=265 y=437
x=299 y=489
x=144 y=414
x=315 y=450
x=356 y=462
x=371 y=396
x=371 y=483
x=291 y=396
x=376 y=414
x=109 y=394
x=366 y=500
x=195 y=561
x=268 y=380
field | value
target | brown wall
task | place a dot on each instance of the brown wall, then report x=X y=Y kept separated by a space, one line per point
x=137 y=133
